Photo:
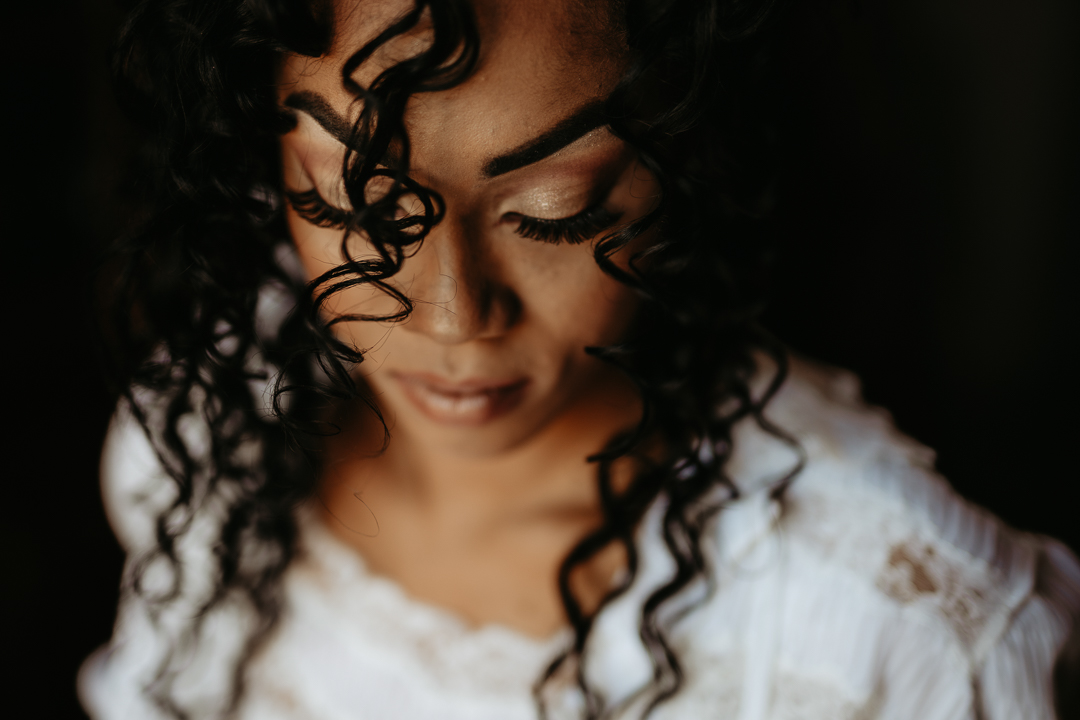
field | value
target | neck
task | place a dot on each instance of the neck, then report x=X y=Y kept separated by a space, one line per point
x=548 y=472
x=481 y=535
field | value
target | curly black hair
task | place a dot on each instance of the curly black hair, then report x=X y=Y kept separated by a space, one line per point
x=184 y=285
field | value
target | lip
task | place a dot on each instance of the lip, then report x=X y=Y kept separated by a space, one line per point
x=467 y=402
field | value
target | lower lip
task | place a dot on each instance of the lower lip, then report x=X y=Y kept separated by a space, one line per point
x=462 y=406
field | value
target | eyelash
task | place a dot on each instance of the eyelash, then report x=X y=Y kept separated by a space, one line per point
x=573 y=230
x=310 y=206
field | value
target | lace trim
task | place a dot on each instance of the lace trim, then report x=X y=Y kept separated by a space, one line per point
x=798 y=697
x=713 y=689
x=906 y=561
x=492 y=660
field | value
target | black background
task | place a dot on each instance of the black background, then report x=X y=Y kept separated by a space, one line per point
x=929 y=216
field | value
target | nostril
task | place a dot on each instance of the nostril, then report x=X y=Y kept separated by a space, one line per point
x=456 y=289
x=458 y=313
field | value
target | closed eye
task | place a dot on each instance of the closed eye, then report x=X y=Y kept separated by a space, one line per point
x=574 y=230
x=310 y=206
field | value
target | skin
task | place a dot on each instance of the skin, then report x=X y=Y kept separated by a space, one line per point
x=482 y=490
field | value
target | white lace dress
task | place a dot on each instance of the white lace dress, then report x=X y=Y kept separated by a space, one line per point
x=872 y=592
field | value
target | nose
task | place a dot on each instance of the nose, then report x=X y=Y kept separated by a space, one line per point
x=457 y=293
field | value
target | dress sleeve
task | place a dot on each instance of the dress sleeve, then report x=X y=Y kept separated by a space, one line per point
x=114 y=682
x=1034 y=669
x=134 y=486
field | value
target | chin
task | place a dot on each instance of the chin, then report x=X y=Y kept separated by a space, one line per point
x=478 y=444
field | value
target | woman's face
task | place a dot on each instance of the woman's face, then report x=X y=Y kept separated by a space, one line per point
x=493 y=352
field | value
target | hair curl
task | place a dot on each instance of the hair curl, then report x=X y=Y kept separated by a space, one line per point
x=199 y=77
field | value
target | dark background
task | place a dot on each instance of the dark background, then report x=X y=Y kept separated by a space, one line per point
x=929 y=215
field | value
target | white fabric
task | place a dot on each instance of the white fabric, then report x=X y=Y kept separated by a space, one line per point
x=871 y=592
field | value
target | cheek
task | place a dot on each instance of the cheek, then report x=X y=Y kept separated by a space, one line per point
x=576 y=300
x=573 y=300
x=319 y=250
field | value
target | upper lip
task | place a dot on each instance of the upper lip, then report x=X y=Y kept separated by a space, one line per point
x=471 y=386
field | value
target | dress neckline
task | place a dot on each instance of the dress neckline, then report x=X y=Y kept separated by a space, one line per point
x=345 y=569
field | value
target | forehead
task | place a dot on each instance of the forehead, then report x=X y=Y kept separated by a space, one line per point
x=540 y=60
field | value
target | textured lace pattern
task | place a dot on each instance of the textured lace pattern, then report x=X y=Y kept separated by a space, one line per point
x=872 y=593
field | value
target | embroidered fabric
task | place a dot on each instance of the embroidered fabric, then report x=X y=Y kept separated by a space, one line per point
x=872 y=592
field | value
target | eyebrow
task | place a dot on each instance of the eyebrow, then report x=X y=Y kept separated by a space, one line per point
x=585 y=120
x=323 y=113
x=572 y=128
